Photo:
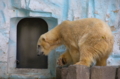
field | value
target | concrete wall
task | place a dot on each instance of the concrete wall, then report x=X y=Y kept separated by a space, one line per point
x=54 y=12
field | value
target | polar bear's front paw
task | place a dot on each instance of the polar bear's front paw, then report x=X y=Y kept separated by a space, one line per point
x=61 y=61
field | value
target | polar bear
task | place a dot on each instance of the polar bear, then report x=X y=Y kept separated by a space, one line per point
x=87 y=40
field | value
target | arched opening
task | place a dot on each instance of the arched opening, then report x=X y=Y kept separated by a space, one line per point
x=28 y=32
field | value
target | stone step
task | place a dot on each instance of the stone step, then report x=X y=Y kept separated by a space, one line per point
x=83 y=72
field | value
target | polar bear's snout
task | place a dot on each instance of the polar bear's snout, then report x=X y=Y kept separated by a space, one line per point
x=39 y=51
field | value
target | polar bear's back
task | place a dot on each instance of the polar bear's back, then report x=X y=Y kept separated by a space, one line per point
x=90 y=25
x=89 y=32
x=85 y=28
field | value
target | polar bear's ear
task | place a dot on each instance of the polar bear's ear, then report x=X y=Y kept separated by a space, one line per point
x=43 y=38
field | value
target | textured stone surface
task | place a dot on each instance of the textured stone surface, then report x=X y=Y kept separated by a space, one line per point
x=73 y=72
x=83 y=72
x=58 y=73
x=64 y=73
x=118 y=73
x=3 y=70
x=78 y=72
x=61 y=73
x=103 y=72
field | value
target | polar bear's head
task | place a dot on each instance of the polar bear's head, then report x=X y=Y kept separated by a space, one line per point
x=46 y=43
x=43 y=46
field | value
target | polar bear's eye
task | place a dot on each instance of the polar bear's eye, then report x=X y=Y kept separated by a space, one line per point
x=38 y=46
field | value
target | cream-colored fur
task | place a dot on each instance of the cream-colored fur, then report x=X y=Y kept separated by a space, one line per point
x=87 y=40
